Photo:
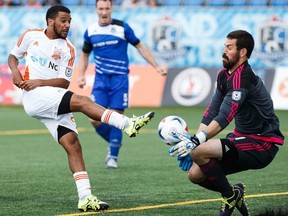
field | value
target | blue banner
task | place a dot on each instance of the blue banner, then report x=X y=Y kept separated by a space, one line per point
x=182 y=37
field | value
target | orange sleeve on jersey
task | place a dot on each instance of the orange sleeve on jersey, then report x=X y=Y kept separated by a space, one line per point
x=26 y=74
x=23 y=34
x=21 y=38
x=72 y=53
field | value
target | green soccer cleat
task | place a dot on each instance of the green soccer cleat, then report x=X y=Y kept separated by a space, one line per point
x=136 y=123
x=91 y=203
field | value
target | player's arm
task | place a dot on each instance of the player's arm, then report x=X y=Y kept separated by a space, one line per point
x=226 y=113
x=32 y=84
x=211 y=130
x=188 y=143
x=13 y=65
x=82 y=67
x=207 y=129
x=84 y=59
x=208 y=123
x=228 y=110
x=148 y=56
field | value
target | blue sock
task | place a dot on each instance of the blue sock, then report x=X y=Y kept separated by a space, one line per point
x=104 y=131
x=115 y=142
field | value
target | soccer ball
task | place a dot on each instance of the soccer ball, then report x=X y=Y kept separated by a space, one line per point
x=170 y=125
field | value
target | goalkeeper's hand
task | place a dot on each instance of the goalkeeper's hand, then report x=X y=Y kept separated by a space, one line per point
x=185 y=146
x=185 y=163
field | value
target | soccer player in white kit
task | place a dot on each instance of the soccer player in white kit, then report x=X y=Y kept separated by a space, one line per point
x=50 y=57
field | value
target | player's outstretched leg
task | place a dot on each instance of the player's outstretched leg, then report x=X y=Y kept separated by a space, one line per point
x=241 y=204
x=136 y=123
x=91 y=203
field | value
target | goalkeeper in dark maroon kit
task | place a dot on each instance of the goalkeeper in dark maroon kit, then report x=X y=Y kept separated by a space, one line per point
x=242 y=96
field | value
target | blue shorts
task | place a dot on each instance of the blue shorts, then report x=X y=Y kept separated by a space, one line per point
x=111 y=91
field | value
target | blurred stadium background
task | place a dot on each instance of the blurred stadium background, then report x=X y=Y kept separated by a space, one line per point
x=189 y=39
x=167 y=2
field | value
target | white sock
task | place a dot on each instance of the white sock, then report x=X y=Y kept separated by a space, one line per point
x=115 y=119
x=83 y=184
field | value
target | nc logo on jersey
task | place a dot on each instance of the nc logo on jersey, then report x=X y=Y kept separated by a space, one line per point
x=166 y=37
x=272 y=41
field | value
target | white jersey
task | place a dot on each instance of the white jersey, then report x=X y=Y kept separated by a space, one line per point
x=45 y=58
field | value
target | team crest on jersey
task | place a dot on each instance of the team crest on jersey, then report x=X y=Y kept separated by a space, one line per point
x=236 y=95
x=272 y=41
x=113 y=30
x=36 y=43
x=166 y=36
x=57 y=53
x=68 y=71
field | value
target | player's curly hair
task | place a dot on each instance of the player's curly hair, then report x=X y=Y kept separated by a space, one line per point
x=53 y=11
x=244 y=40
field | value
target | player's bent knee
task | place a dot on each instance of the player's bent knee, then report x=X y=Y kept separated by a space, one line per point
x=62 y=131
x=191 y=177
x=80 y=102
x=194 y=177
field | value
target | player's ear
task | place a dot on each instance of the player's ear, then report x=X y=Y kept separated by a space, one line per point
x=50 y=21
x=243 y=52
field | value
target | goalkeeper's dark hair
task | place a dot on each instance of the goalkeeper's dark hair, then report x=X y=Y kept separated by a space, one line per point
x=244 y=40
x=53 y=11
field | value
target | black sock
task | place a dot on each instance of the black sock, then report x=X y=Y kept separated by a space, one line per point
x=216 y=179
x=207 y=184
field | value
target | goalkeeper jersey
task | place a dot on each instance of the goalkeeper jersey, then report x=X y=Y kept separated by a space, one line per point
x=243 y=97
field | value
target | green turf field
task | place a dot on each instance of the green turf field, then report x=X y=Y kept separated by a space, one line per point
x=35 y=179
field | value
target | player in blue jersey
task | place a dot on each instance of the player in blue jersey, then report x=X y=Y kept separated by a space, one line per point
x=240 y=95
x=108 y=39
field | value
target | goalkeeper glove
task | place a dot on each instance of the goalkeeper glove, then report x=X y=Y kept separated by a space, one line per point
x=185 y=163
x=187 y=143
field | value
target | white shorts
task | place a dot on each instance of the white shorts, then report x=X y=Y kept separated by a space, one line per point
x=42 y=103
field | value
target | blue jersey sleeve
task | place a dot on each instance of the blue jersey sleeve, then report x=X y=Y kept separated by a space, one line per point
x=130 y=35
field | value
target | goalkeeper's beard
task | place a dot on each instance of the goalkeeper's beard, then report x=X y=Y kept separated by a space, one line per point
x=230 y=63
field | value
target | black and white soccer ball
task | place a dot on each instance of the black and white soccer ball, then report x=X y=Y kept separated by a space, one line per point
x=170 y=125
